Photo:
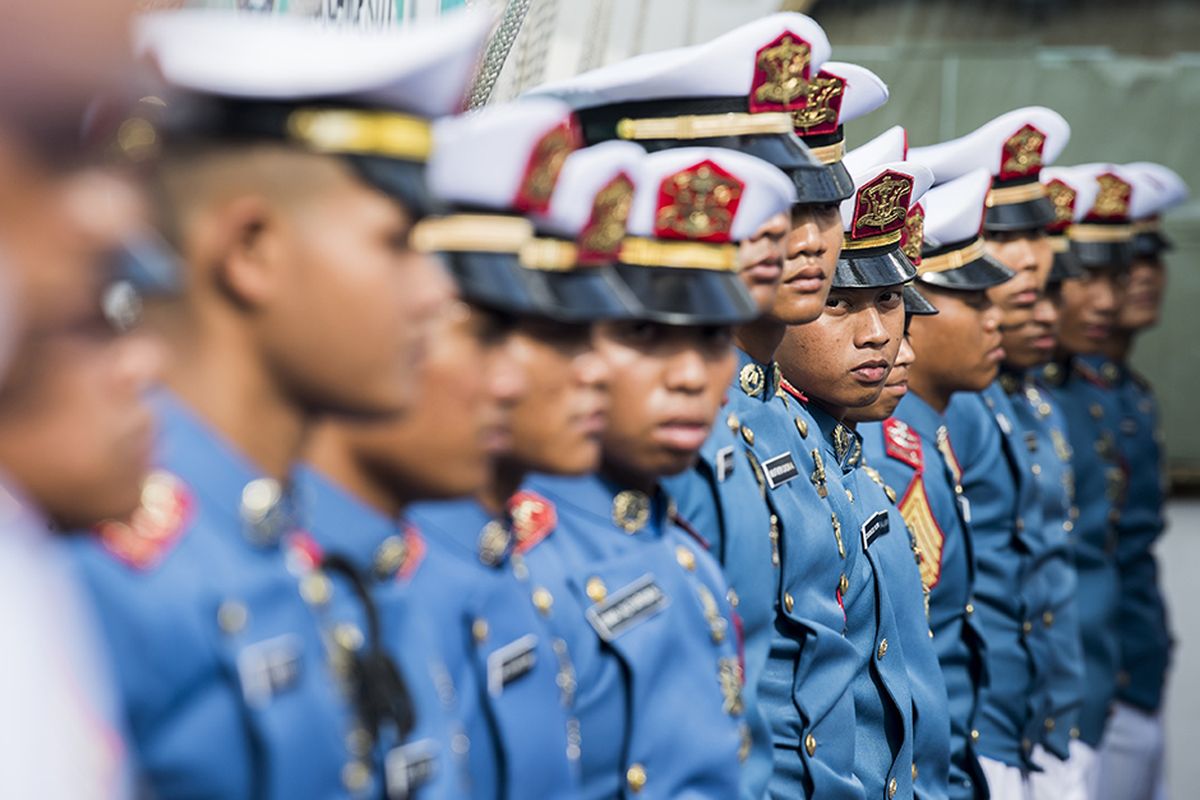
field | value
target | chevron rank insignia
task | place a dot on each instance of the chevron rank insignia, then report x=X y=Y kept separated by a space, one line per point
x=926 y=532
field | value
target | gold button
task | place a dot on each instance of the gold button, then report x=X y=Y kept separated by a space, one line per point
x=1096 y=410
x=1075 y=734
x=635 y=776
x=810 y=744
x=733 y=422
x=974 y=735
x=479 y=629
x=1026 y=745
x=542 y=599
x=348 y=636
x=596 y=590
x=844 y=584
x=358 y=742
x=748 y=435
x=1027 y=626
x=1048 y=618
x=232 y=617
x=732 y=597
x=882 y=651
x=802 y=426
x=970 y=609
x=1049 y=723
x=316 y=589
x=958 y=488
x=914 y=772
x=893 y=787
x=849 y=496
x=1037 y=469
x=686 y=558
x=1020 y=524
x=789 y=602
x=355 y=776
x=1068 y=526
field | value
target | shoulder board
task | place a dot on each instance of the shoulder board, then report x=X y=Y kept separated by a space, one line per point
x=687 y=528
x=155 y=526
x=902 y=443
x=533 y=519
x=927 y=535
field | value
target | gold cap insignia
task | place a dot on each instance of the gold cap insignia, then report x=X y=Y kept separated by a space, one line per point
x=1112 y=201
x=1063 y=198
x=631 y=510
x=822 y=107
x=881 y=205
x=913 y=234
x=781 y=72
x=601 y=238
x=1022 y=154
x=698 y=203
x=545 y=163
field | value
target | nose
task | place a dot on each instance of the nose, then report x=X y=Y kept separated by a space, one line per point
x=773 y=229
x=138 y=360
x=593 y=369
x=907 y=356
x=686 y=371
x=804 y=240
x=1105 y=293
x=991 y=318
x=1045 y=312
x=871 y=332
x=507 y=381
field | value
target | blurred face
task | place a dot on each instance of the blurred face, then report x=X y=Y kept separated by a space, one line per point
x=812 y=249
x=1034 y=342
x=959 y=347
x=559 y=423
x=1027 y=253
x=444 y=447
x=1143 y=297
x=1089 y=309
x=844 y=357
x=349 y=324
x=761 y=260
x=668 y=385
x=894 y=388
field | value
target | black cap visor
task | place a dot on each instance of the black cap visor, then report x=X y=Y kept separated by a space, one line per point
x=403 y=181
x=586 y=294
x=915 y=303
x=1103 y=255
x=1150 y=244
x=979 y=273
x=873 y=267
x=679 y=296
x=1033 y=214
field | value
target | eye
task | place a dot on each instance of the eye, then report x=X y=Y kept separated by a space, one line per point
x=890 y=299
x=717 y=336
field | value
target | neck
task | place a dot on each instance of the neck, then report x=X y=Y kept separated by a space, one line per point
x=837 y=412
x=507 y=477
x=928 y=390
x=1119 y=346
x=760 y=339
x=331 y=454
x=221 y=379
x=629 y=476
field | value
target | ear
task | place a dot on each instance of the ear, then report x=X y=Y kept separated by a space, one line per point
x=249 y=263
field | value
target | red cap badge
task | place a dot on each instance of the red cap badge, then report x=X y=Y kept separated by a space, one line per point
x=881 y=205
x=1063 y=197
x=1112 y=201
x=781 y=72
x=1021 y=156
x=601 y=238
x=544 y=165
x=698 y=203
x=913 y=233
x=822 y=107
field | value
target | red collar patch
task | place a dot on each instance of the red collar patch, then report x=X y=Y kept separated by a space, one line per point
x=793 y=391
x=533 y=519
x=903 y=443
x=155 y=526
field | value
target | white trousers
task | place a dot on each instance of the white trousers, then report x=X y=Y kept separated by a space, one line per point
x=1132 y=756
x=1005 y=782
x=1063 y=780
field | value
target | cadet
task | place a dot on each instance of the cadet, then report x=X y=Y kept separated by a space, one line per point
x=497 y=624
x=757 y=78
x=956 y=351
x=997 y=478
x=842 y=360
x=1131 y=754
x=227 y=624
x=1100 y=240
x=647 y=619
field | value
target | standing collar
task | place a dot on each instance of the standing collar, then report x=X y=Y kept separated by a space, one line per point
x=606 y=501
x=465 y=527
x=340 y=522
x=841 y=441
x=920 y=416
x=756 y=379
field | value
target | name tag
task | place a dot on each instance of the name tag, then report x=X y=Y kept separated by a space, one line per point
x=724 y=463
x=627 y=607
x=410 y=767
x=780 y=469
x=268 y=668
x=873 y=528
x=513 y=660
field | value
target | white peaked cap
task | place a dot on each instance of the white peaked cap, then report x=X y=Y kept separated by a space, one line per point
x=723 y=67
x=862 y=92
x=584 y=175
x=484 y=159
x=891 y=145
x=424 y=69
x=759 y=190
x=1166 y=190
x=1073 y=190
x=866 y=176
x=954 y=210
x=1012 y=146
x=1113 y=192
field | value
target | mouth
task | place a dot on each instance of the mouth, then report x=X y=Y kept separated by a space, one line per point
x=769 y=271
x=1097 y=331
x=593 y=424
x=683 y=434
x=871 y=373
x=807 y=280
x=497 y=439
x=1046 y=342
x=897 y=389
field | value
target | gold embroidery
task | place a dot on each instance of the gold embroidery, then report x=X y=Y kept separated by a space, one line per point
x=701 y=200
x=784 y=65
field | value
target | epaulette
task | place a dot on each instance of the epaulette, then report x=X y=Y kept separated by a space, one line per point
x=533 y=519
x=874 y=475
x=687 y=528
x=155 y=526
x=903 y=443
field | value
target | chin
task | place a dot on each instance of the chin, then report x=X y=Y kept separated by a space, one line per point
x=674 y=463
